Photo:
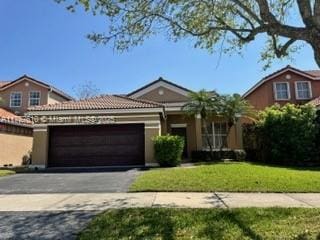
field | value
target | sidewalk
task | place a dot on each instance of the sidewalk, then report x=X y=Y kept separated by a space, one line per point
x=103 y=201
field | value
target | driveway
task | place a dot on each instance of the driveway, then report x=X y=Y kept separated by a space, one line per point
x=95 y=181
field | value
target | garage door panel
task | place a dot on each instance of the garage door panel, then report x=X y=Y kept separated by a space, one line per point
x=103 y=145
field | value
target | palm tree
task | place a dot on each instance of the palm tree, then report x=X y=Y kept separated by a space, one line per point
x=232 y=109
x=206 y=104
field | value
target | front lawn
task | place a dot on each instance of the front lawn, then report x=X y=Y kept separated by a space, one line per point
x=6 y=172
x=233 y=177
x=250 y=223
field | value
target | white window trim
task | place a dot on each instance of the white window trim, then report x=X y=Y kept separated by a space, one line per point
x=275 y=91
x=213 y=135
x=296 y=90
x=29 y=100
x=20 y=99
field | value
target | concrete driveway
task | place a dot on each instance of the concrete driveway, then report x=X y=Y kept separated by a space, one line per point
x=85 y=181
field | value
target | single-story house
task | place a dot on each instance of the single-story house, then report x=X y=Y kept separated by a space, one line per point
x=117 y=130
x=15 y=139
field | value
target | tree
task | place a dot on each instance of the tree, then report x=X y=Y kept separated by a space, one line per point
x=233 y=108
x=205 y=104
x=86 y=90
x=213 y=24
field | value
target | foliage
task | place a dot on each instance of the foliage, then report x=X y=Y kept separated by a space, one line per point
x=285 y=135
x=168 y=150
x=204 y=156
x=86 y=90
x=227 y=25
x=222 y=224
x=233 y=177
x=205 y=104
x=232 y=109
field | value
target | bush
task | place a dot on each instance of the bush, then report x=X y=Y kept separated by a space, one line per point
x=168 y=150
x=285 y=135
x=240 y=155
x=204 y=156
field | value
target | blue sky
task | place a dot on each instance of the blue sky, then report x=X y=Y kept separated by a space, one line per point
x=40 y=38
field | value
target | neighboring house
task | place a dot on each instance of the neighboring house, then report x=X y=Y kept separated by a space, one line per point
x=288 y=85
x=113 y=130
x=15 y=139
x=25 y=92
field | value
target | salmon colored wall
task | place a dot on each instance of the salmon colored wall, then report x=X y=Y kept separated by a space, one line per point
x=263 y=96
x=24 y=89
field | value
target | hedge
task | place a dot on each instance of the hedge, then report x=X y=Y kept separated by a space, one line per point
x=287 y=135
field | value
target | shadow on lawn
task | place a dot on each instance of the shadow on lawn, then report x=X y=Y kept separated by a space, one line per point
x=167 y=224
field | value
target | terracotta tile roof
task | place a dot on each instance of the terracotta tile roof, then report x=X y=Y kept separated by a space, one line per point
x=10 y=118
x=315 y=73
x=99 y=103
x=315 y=101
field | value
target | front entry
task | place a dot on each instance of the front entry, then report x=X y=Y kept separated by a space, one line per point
x=182 y=132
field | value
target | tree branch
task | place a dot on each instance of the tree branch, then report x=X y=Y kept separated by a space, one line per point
x=305 y=12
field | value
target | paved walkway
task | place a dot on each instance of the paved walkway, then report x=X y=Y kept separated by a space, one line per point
x=102 y=201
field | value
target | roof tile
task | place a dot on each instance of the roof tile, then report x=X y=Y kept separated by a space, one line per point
x=9 y=117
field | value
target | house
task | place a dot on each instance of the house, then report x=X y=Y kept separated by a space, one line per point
x=15 y=138
x=15 y=131
x=117 y=130
x=25 y=92
x=287 y=85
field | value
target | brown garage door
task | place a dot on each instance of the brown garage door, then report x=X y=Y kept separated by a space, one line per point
x=97 y=145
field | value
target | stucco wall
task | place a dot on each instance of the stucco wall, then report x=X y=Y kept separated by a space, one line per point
x=13 y=148
x=55 y=98
x=24 y=87
x=167 y=96
x=263 y=96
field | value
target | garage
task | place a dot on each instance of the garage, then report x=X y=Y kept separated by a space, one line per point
x=96 y=145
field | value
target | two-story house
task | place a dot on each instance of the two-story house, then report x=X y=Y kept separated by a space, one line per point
x=16 y=96
x=287 y=85
x=16 y=133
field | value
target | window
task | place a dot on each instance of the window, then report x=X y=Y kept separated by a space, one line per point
x=15 y=99
x=217 y=135
x=303 y=90
x=282 y=91
x=34 y=98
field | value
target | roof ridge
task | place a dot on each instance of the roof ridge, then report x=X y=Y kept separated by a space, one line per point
x=158 y=80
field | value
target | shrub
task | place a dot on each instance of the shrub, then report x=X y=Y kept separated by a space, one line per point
x=204 y=156
x=285 y=135
x=240 y=155
x=168 y=150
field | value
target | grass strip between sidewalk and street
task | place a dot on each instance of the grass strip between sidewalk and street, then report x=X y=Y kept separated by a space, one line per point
x=245 y=223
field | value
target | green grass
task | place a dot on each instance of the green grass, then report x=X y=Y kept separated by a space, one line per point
x=6 y=172
x=170 y=224
x=233 y=177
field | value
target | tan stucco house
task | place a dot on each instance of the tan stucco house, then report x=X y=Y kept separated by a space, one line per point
x=117 y=130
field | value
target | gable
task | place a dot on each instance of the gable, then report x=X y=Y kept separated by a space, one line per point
x=163 y=95
x=161 y=91
x=281 y=74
